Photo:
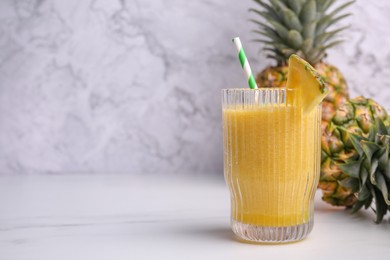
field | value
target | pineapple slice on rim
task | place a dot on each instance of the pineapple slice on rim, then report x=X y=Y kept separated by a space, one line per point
x=305 y=87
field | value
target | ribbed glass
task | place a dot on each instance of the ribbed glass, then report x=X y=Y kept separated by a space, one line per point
x=271 y=164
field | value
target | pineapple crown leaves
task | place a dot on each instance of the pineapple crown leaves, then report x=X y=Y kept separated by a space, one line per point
x=298 y=26
x=368 y=174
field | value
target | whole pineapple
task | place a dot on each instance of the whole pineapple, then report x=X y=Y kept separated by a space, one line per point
x=301 y=27
x=356 y=117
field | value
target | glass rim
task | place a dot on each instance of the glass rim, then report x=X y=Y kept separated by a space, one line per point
x=251 y=98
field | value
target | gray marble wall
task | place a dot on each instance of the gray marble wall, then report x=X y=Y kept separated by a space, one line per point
x=134 y=85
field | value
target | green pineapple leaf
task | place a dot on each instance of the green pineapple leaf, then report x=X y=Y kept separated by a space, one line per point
x=355 y=140
x=273 y=50
x=278 y=5
x=295 y=39
x=326 y=36
x=340 y=8
x=280 y=30
x=266 y=15
x=381 y=128
x=324 y=5
x=368 y=202
x=384 y=140
x=322 y=24
x=363 y=175
x=351 y=168
x=317 y=57
x=373 y=168
x=295 y=5
x=358 y=205
x=269 y=35
x=261 y=24
x=266 y=7
x=384 y=163
x=351 y=183
x=292 y=20
x=369 y=148
x=307 y=45
x=372 y=135
x=364 y=193
x=380 y=208
x=308 y=14
x=326 y=21
x=337 y=19
x=263 y=41
x=365 y=163
x=332 y=44
x=381 y=183
x=309 y=31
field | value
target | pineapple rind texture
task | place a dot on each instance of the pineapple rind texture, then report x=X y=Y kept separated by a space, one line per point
x=356 y=117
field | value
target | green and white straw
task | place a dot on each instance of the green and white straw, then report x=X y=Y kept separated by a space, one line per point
x=244 y=63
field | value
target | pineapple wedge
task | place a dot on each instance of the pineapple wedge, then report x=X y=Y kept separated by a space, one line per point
x=305 y=87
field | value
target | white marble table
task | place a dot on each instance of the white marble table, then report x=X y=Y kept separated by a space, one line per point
x=155 y=217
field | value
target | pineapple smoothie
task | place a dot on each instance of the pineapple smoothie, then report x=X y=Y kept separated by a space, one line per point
x=272 y=154
x=271 y=163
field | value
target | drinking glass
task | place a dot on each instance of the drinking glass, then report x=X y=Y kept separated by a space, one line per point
x=271 y=164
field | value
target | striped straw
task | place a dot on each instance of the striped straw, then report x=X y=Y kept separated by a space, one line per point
x=244 y=63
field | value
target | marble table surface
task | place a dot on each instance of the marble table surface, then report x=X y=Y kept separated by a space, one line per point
x=157 y=217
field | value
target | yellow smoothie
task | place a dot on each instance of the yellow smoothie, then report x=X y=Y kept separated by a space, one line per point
x=272 y=157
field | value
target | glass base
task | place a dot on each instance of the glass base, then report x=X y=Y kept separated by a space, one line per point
x=262 y=234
